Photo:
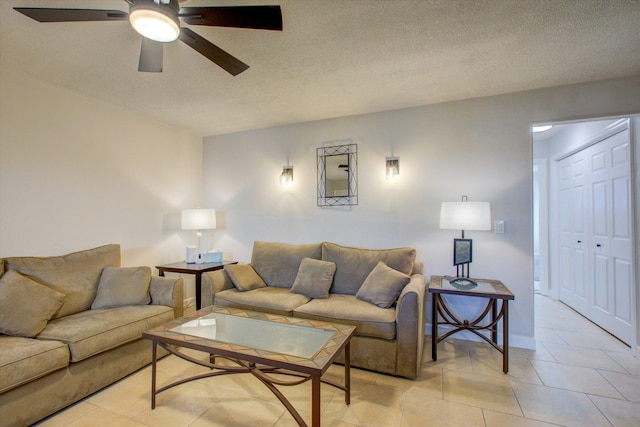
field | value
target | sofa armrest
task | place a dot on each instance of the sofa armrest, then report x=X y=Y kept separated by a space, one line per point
x=212 y=283
x=410 y=327
x=168 y=291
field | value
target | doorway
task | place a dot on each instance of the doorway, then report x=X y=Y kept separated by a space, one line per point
x=540 y=227
x=590 y=220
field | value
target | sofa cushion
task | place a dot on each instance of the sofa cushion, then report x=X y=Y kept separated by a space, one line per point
x=76 y=275
x=278 y=263
x=314 y=278
x=120 y=286
x=370 y=320
x=269 y=299
x=26 y=306
x=244 y=277
x=94 y=331
x=382 y=286
x=25 y=359
x=355 y=264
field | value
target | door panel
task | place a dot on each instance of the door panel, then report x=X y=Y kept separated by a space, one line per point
x=566 y=259
x=622 y=272
x=621 y=208
x=596 y=233
x=601 y=273
x=598 y=211
x=579 y=275
x=572 y=233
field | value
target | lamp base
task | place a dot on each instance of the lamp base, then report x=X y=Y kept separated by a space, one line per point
x=192 y=254
x=462 y=270
x=463 y=283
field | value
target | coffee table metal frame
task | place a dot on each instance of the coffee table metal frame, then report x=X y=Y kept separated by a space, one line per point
x=257 y=362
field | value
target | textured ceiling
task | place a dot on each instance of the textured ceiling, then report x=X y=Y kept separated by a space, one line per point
x=334 y=57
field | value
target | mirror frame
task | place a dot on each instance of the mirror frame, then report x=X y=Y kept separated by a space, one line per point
x=351 y=150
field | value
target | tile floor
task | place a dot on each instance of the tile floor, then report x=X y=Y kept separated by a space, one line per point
x=577 y=376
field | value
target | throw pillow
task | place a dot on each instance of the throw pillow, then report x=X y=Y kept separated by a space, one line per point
x=353 y=265
x=120 y=286
x=76 y=275
x=382 y=286
x=278 y=263
x=314 y=278
x=244 y=277
x=26 y=305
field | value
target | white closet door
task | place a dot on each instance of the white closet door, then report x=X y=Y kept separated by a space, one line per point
x=573 y=212
x=610 y=251
x=596 y=234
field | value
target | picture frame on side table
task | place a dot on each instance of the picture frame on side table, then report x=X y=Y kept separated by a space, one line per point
x=462 y=251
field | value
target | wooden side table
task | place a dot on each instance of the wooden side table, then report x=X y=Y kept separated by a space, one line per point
x=197 y=269
x=494 y=290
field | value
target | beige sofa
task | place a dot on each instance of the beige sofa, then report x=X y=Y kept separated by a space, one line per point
x=71 y=325
x=381 y=292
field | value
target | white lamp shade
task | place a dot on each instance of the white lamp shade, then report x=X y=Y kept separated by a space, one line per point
x=465 y=216
x=198 y=219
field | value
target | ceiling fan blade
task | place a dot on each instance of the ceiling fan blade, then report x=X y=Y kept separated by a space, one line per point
x=229 y=63
x=70 y=15
x=258 y=17
x=150 y=56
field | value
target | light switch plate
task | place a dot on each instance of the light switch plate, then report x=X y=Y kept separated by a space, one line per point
x=498 y=226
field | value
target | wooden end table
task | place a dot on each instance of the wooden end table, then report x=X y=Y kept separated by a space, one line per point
x=494 y=290
x=197 y=269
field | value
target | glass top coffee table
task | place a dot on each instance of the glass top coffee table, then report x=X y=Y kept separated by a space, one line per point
x=260 y=344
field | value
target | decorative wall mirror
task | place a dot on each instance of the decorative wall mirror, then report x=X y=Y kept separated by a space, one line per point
x=338 y=175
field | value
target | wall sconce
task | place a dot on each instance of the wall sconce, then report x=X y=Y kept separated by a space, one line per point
x=286 y=177
x=393 y=168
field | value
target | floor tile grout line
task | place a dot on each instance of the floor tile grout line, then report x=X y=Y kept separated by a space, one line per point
x=607 y=333
x=578 y=391
x=624 y=371
x=484 y=417
x=555 y=332
x=536 y=371
x=568 y=391
x=626 y=399
x=404 y=406
x=515 y=395
x=598 y=408
x=548 y=351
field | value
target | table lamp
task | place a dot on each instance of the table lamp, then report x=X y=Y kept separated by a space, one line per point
x=198 y=219
x=464 y=215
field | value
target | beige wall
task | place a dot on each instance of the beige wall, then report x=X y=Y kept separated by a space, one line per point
x=480 y=148
x=77 y=173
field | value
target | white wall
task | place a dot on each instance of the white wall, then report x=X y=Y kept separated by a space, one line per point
x=76 y=173
x=480 y=148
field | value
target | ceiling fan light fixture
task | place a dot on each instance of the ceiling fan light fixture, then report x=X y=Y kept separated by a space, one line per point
x=541 y=128
x=154 y=21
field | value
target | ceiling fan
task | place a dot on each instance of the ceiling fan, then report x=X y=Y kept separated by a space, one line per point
x=158 y=21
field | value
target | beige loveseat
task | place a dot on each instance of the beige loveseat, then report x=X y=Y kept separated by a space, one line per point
x=381 y=292
x=71 y=325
